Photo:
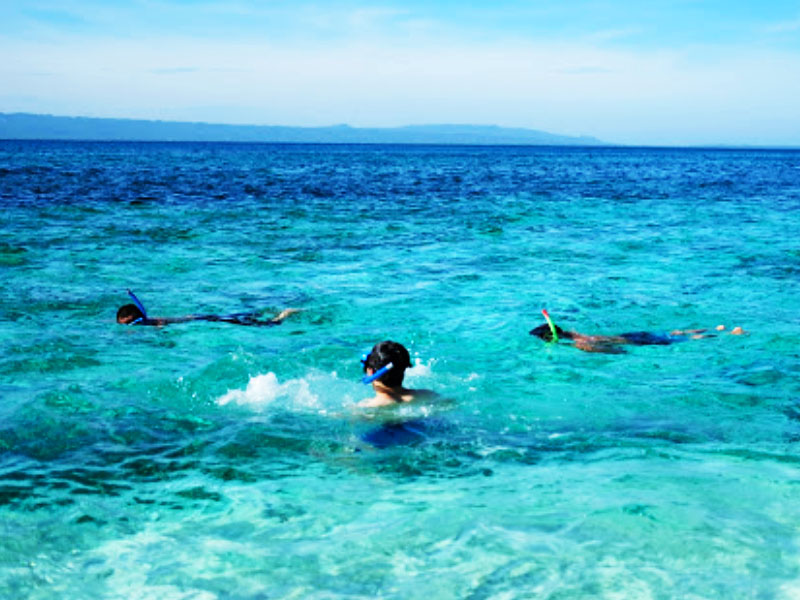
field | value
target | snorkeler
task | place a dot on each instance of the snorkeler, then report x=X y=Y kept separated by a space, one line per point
x=135 y=314
x=385 y=367
x=610 y=344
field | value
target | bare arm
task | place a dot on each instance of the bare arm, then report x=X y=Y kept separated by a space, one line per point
x=604 y=344
x=279 y=318
x=601 y=346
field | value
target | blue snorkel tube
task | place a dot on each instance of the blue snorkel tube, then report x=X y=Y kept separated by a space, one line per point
x=139 y=305
x=367 y=379
x=380 y=372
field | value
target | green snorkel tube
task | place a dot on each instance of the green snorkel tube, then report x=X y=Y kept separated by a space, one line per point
x=550 y=323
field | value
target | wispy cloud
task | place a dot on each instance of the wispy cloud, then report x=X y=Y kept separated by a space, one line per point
x=613 y=74
x=616 y=95
x=369 y=18
x=174 y=70
x=789 y=26
x=169 y=71
x=61 y=18
x=613 y=35
x=584 y=70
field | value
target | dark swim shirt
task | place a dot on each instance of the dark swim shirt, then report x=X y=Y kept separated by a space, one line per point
x=646 y=338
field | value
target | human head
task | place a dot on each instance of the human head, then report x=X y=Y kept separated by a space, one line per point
x=544 y=332
x=128 y=313
x=389 y=352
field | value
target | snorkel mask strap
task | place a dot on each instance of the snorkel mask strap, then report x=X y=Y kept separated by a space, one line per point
x=379 y=373
x=550 y=323
x=138 y=304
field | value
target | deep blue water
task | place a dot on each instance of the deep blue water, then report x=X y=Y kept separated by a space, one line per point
x=205 y=460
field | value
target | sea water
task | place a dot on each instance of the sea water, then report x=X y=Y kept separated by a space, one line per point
x=209 y=460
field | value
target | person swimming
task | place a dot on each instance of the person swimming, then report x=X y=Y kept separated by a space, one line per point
x=385 y=367
x=135 y=314
x=611 y=344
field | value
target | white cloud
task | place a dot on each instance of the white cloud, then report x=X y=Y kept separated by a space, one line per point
x=611 y=35
x=369 y=18
x=783 y=27
x=642 y=97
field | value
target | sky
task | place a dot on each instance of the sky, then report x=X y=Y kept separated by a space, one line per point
x=679 y=72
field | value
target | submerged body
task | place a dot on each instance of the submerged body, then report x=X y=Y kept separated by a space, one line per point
x=135 y=314
x=612 y=344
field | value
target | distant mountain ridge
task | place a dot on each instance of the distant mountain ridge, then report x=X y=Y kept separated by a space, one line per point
x=26 y=126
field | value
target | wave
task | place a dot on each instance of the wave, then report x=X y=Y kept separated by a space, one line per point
x=265 y=390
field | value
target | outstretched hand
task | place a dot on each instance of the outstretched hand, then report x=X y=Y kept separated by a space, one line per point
x=285 y=313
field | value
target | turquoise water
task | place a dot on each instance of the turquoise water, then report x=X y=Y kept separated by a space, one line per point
x=205 y=460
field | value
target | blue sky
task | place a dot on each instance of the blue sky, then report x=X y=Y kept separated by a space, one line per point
x=661 y=72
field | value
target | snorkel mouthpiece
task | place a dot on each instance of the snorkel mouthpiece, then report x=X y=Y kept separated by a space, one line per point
x=379 y=373
x=550 y=323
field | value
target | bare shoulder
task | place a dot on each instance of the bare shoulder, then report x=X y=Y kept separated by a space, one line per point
x=407 y=395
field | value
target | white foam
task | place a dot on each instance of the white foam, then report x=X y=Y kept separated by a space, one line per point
x=420 y=369
x=264 y=390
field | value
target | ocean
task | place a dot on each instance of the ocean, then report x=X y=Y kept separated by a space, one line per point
x=214 y=461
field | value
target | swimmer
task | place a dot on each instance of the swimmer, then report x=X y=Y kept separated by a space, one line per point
x=384 y=367
x=610 y=344
x=135 y=314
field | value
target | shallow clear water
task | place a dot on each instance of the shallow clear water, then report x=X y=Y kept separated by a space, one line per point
x=208 y=460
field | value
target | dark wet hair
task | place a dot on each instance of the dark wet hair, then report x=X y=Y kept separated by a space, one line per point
x=389 y=352
x=129 y=313
x=543 y=331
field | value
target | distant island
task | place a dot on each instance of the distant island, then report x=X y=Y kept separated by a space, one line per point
x=25 y=126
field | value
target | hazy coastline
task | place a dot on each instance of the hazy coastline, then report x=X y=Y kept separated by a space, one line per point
x=26 y=126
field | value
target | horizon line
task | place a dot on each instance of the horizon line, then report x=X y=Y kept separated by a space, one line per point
x=593 y=141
